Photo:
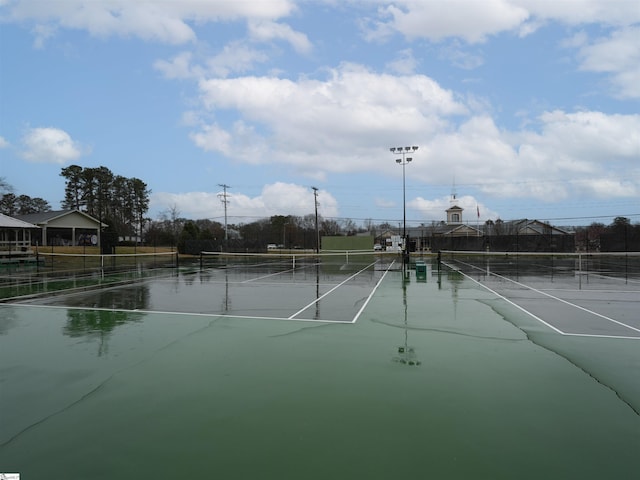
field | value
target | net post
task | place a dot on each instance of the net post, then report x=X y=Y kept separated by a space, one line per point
x=580 y=264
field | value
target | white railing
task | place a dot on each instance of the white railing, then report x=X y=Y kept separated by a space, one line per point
x=14 y=246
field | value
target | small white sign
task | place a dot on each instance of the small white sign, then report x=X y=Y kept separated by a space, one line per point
x=9 y=476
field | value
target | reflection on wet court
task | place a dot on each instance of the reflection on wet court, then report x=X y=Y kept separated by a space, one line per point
x=203 y=370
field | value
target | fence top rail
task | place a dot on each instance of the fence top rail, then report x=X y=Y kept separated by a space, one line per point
x=539 y=254
x=117 y=255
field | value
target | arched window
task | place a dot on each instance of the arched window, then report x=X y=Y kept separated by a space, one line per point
x=455 y=217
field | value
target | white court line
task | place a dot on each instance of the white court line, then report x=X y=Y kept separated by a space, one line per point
x=355 y=319
x=600 y=275
x=188 y=314
x=550 y=296
x=327 y=293
x=269 y=275
x=568 y=303
x=593 y=335
x=557 y=330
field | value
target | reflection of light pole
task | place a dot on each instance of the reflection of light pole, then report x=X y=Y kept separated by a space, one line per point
x=403 y=161
x=406 y=353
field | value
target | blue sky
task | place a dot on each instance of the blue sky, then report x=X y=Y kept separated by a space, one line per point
x=524 y=108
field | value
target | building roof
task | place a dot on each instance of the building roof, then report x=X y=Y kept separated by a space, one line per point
x=537 y=227
x=10 y=222
x=43 y=218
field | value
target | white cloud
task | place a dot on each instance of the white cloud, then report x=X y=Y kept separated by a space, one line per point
x=233 y=58
x=275 y=199
x=336 y=126
x=50 y=145
x=167 y=21
x=179 y=67
x=570 y=155
x=439 y=20
x=577 y=12
x=42 y=33
x=4 y=143
x=213 y=138
x=236 y=57
x=405 y=64
x=473 y=20
x=460 y=57
x=618 y=55
x=266 y=30
x=320 y=120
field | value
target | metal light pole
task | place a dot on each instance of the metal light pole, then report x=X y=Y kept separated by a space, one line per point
x=404 y=151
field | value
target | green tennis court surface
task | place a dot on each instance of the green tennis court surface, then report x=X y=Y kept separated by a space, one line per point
x=345 y=371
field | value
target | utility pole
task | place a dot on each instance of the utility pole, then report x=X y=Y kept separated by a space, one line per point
x=315 y=196
x=225 y=201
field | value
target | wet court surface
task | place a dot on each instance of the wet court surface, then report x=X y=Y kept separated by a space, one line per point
x=306 y=292
x=438 y=378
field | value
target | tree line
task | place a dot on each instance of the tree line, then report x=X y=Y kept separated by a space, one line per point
x=118 y=201
x=283 y=231
x=122 y=203
x=12 y=204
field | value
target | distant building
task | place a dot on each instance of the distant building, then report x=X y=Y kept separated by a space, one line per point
x=66 y=227
x=15 y=234
x=456 y=234
x=534 y=227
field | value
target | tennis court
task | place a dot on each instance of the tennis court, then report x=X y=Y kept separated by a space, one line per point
x=335 y=367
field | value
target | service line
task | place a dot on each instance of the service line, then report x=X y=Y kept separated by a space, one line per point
x=534 y=316
x=327 y=293
x=355 y=319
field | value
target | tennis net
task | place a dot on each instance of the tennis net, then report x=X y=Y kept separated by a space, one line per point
x=605 y=264
x=333 y=260
x=74 y=263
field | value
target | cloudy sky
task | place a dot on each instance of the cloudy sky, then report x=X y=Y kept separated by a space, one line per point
x=523 y=108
